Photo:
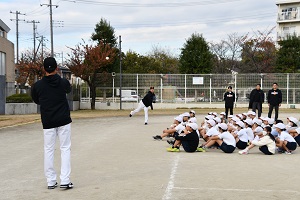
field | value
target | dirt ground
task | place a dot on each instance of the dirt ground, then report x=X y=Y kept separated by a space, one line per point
x=115 y=157
x=13 y=120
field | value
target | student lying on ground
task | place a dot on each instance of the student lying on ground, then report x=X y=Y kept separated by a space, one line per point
x=189 y=139
x=225 y=140
x=285 y=141
x=266 y=144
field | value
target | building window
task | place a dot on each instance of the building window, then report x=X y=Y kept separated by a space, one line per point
x=2 y=63
x=1 y=33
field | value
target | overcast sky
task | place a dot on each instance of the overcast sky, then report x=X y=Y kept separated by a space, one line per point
x=142 y=24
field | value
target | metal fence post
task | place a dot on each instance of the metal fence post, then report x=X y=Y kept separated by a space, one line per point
x=137 y=87
x=161 y=88
x=185 y=88
x=210 y=89
x=287 y=89
x=235 y=89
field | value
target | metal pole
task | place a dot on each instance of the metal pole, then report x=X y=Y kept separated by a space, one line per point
x=210 y=89
x=137 y=87
x=161 y=88
x=51 y=28
x=287 y=89
x=113 y=89
x=120 y=49
x=235 y=89
x=185 y=88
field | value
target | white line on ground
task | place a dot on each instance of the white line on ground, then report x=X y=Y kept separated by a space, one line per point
x=237 y=190
x=168 y=192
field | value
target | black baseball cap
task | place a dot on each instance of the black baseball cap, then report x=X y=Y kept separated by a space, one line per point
x=50 y=64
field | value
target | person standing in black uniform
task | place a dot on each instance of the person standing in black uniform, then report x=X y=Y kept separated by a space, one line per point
x=229 y=98
x=274 y=100
x=145 y=103
x=50 y=93
x=257 y=98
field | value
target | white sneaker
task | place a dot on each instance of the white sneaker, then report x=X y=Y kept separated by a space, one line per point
x=243 y=152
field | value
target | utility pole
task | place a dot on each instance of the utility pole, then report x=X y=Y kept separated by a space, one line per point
x=17 y=30
x=51 y=25
x=34 y=36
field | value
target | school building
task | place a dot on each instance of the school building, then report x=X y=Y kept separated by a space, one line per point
x=288 y=19
x=7 y=64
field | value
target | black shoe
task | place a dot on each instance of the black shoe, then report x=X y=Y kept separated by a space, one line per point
x=157 y=137
x=146 y=123
x=52 y=186
x=171 y=142
x=67 y=186
x=130 y=115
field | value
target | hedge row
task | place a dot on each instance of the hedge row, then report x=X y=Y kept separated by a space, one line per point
x=19 y=98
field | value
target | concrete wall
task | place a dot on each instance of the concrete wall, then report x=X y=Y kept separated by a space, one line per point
x=131 y=106
x=2 y=95
x=20 y=108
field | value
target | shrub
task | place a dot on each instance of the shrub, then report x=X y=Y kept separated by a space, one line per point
x=19 y=98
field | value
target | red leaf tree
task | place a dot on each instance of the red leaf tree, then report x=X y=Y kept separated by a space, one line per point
x=30 y=68
x=86 y=60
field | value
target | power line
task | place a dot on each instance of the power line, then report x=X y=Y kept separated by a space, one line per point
x=174 y=4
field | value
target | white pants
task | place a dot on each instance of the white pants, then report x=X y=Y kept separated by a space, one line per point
x=139 y=108
x=64 y=135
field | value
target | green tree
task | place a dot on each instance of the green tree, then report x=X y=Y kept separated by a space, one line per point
x=104 y=33
x=288 y=56
x=195 y=57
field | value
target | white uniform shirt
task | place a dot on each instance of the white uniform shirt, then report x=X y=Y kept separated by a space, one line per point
x=242 y=135
x=179 y=128
x=212 y=132
x=250 y=134
x=227 y=138
x=284 y=136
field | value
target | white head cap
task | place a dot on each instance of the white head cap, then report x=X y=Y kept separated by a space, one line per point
x=223 y=126
x=211 y=122
x=281 y=126
x=257 y=121
x=240 y=124
x=194 y=126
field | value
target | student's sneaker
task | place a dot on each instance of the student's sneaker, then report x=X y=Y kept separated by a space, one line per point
x=130 y=115
x=67 y=186
x=171 y=142
x=201 y=149
x=157 y=137
x=171 y=149
x=243 y=152
x=288 y=152
x=280 y=150
x=52 y=186
x=146 y=123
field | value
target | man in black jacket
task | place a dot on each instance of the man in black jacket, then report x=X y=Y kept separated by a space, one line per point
x=50 y=93
x=229 y=98
x=257 y=98
x=274 y=100
x=145 y=103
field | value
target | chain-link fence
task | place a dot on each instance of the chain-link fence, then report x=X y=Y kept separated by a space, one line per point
x=191 y=88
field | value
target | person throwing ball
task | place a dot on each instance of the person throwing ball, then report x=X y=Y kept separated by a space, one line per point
x=145 y=103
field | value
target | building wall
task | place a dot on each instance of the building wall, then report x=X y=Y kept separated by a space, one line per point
x=7 y=47
x=288 y=19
